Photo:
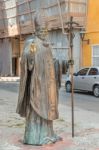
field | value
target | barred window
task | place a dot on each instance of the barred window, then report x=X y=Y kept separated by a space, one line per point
x=95 y=55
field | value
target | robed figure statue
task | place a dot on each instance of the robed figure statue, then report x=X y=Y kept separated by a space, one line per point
x=38 y=96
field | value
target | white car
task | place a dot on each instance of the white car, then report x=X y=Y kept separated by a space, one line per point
x=86 y=79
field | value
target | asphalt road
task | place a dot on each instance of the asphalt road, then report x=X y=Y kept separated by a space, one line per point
x=82 y=100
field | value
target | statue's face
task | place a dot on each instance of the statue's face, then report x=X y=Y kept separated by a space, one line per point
x=42 y=33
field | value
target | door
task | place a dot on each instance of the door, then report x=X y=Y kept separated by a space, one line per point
x=80 y=80
x=14 y=65
x=93 y=77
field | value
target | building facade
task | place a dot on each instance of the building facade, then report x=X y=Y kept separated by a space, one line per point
x=90 y=45
x=16 y=24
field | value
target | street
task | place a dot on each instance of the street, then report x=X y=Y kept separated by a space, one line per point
x=82 y=100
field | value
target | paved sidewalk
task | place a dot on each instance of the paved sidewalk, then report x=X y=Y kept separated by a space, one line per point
x=12 y=127
x=86 y=132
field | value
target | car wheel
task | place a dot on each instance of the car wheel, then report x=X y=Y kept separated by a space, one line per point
x=96 y=91
x=68 y=87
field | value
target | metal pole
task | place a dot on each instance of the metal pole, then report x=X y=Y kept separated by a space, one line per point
x=61 y=18
x=71 y=70
x=71 y=27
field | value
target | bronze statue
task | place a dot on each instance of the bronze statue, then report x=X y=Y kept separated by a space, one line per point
x=38 y=99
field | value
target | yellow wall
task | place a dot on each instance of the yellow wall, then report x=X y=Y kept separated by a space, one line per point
x=92 y=31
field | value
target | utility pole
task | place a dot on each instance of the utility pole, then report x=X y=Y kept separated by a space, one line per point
x=71 y=26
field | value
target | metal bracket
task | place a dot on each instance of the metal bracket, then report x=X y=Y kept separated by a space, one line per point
x=71 y=62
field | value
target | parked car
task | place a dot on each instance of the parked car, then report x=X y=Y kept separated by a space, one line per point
x=86 y=79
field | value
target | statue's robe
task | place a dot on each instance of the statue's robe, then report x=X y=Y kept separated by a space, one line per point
x=38 y=100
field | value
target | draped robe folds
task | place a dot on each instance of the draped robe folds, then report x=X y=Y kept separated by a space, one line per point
x=38 y=92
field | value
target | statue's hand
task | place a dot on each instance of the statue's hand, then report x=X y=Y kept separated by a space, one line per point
x=33 y=47
x=45 y=44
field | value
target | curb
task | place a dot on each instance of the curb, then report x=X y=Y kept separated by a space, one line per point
x=9 y=79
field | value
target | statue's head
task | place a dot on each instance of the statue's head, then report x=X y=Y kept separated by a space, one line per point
x=40 y=23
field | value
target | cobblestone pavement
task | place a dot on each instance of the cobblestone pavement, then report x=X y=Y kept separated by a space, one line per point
x=12 y=126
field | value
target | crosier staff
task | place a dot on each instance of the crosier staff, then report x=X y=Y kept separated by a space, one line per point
x=71 y=26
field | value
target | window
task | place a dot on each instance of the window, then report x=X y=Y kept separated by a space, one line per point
x=95 y=55
x=83 y=72
x=93 y=71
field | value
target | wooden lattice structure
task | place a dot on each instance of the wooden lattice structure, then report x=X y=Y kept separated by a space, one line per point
x=16 y=16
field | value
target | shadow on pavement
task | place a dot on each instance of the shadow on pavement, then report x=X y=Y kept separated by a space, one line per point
x=84 y=93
